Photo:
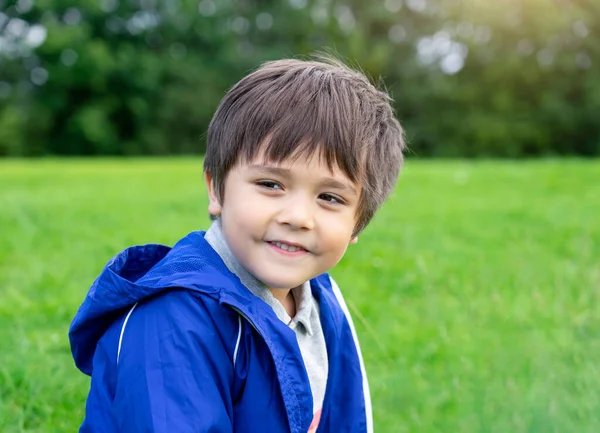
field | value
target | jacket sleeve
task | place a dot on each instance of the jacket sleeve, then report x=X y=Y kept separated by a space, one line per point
x=174 y=371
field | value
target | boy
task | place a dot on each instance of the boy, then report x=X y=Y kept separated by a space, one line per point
x=240 y=329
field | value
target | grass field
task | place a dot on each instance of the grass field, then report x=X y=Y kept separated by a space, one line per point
x=476 y=290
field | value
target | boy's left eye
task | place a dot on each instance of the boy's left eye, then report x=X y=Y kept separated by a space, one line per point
x=332 y=199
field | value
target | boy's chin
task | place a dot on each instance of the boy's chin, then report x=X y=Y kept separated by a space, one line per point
x=283 y=284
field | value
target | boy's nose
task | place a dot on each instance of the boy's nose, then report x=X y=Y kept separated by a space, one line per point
x=297 y=212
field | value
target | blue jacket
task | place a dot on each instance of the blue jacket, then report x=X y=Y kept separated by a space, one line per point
x=174 y=343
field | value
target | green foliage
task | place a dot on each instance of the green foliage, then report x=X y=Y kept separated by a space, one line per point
x=474 y=291
x=470 y=78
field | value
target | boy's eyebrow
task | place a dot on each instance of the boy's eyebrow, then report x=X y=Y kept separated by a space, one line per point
x=332 y=183
x=327 y=182
x=269 y=169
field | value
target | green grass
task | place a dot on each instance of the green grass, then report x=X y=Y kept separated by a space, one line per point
x=476 y=290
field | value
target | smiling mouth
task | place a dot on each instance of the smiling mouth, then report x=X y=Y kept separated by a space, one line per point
x=288 y=247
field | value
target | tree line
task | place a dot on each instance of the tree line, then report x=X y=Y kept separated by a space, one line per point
x=469 y=78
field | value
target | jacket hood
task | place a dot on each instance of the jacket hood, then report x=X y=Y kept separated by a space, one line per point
x=135 y=274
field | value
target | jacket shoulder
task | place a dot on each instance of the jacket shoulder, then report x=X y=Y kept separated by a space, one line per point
x=188 y=317
x=166 y=351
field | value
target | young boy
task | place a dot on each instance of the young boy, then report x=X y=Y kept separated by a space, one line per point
x=240 y=328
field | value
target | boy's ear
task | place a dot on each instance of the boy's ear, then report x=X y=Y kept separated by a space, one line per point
x=214 y=204
x=354 y=239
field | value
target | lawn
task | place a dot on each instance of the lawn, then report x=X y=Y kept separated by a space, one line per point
x=475 y=291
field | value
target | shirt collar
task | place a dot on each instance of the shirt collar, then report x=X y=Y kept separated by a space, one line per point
x=305 y=307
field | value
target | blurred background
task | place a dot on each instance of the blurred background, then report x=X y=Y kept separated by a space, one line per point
x=510 y=78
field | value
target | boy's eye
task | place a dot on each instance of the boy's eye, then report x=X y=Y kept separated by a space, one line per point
x=270 y=184
x=331 y=199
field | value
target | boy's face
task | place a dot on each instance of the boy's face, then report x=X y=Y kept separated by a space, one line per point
x=286 y=223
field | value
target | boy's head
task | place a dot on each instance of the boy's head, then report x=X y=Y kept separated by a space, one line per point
x=292 y=109
x=316 y=117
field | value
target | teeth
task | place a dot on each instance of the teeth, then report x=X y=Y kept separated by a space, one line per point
x=287 y=247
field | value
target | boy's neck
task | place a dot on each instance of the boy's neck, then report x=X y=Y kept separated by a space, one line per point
x=285 y=298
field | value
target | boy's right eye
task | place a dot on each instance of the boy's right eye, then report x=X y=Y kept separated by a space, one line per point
x=269 y=184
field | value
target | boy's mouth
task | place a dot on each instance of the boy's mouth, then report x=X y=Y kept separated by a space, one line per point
x=288 y=246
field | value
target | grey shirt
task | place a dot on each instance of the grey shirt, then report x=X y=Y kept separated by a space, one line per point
x=306 y=323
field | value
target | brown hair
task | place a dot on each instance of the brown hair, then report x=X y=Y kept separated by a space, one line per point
x=294 y=108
